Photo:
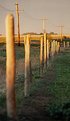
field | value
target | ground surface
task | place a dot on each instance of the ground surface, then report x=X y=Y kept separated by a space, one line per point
x=49 y=98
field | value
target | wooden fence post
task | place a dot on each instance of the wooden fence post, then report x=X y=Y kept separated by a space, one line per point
x=54 y=47
x=52 y=50
x=67 y=44
x=41 y=54
x=45 y=50
x=58 y=47
x=27 y=66
x=64 y=44
x=10 y=67
x=48 y=51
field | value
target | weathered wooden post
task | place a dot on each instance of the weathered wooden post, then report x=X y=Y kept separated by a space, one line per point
x=58 y=47
x=18 y=22
x=49 y=49
x=45 y=50
x=52 y=48
x=67 y=44
x=41 y=54
x=64 y=44
x=10 y=67
x=27 y=66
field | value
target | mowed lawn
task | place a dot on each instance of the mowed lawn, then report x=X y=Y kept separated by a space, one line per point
x=49 y=92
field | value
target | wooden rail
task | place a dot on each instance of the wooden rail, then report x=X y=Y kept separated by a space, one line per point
x=35 y=37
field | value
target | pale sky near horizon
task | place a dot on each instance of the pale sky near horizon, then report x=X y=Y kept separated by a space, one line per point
x=56 y=11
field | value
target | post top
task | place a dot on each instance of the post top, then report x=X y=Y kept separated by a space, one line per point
x=9 y=16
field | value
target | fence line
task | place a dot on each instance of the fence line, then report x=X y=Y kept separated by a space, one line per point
x=47 y=47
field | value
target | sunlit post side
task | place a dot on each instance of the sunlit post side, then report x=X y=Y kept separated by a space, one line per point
x=10 y=67
x=49 y=49
x=58 y=47
x=64 y=44
x=41 y=54
x=67 y=44
x=52 y=48
x=45 y=50
x=27 y=66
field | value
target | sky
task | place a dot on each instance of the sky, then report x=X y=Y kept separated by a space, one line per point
x=57 y=13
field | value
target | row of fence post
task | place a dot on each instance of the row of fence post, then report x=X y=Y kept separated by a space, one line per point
x=47 y=48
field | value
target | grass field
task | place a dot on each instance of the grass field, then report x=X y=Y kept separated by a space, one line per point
x=49 y=93
x=60 y=86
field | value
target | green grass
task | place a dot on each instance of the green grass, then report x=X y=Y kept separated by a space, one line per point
x=2 y=50
x=19 y=51
x=2 y=101
x=60 y=87
x=3 y=53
